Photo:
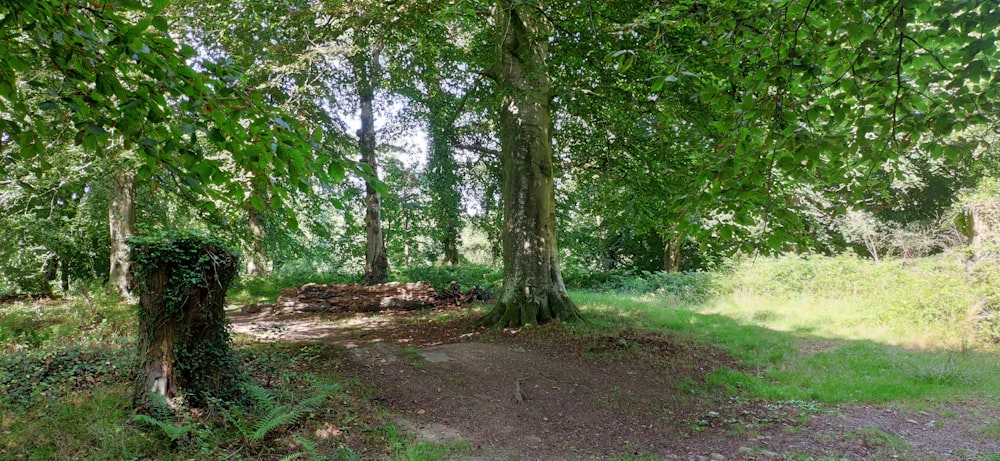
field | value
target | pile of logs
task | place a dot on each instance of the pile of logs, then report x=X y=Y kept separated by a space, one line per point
x=354 y=297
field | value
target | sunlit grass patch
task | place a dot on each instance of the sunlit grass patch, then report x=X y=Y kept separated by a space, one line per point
x=831 y=330
x=74 y=320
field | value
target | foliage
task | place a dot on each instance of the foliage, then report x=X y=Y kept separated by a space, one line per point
x=268 y=414
x=932 y=291
x=32 y=376
x=142 y=74
x=440 y=277
x=684 y=287
x=49 y=224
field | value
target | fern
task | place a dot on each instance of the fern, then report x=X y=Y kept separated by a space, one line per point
x=261 y=395
x=173 y=431
x=347 y=454
x=271 y=415
x=285 y=415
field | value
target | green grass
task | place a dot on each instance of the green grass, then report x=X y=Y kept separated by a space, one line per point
x=76 y=320
x=830 y=330
x=86 y=425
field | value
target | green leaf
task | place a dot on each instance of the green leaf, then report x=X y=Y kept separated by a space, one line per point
x=159 y=6
x=160 y=23
x=336 y=171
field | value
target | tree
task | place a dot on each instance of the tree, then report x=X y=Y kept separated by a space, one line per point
x=367 y=73
x=533 y=290
x=117 y=79
x=121 y=224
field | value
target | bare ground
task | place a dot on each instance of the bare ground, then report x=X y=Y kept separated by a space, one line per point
x=548 y=393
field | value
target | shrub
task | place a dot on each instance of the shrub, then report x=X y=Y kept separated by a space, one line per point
x=467 y=275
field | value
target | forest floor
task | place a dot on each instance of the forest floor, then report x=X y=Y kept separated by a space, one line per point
x=566 y=393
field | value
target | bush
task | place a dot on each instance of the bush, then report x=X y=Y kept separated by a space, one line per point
x=686 y=287
x=467 y=275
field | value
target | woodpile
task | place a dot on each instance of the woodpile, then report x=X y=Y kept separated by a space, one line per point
x=355 y=297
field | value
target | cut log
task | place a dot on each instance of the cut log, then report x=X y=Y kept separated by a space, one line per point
x=355 y=297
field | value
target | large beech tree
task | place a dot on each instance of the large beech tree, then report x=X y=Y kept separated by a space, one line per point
x=533 y=290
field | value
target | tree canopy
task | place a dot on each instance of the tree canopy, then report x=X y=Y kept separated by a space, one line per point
x=659 y=136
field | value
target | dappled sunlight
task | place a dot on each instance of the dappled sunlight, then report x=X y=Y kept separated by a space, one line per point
x=352 y=330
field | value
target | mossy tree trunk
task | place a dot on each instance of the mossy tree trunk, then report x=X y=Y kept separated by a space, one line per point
x=533 y=290
x=184 y=344
x=442 y=169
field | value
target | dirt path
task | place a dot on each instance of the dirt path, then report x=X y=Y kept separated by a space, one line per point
x=547 y=394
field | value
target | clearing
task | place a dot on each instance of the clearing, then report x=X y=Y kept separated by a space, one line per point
x=564 y=393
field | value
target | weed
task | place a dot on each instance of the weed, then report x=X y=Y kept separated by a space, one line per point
x=413 y=357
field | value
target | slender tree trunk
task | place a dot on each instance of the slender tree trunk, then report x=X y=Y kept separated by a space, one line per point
x=533 y=290
x=257 y=264
x=256 y=261
x=366 y=69
x=121 y=221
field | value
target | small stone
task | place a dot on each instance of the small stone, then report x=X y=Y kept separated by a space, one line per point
x=701 y=458
x=912 y=421
x=717 y=457
x=767 y=454
x=745 y=450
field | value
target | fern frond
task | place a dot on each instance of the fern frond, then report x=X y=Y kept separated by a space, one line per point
x=345 y=453
x=172 y=431
x=275 y=420
x=308 y=445
x=263 y=397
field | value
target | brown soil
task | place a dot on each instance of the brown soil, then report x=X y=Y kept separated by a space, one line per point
x=552 y=393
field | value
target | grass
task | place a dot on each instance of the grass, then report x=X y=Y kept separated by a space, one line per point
x=813 y=331
x=831 y=330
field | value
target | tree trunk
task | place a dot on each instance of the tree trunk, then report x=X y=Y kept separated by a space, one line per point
x=257 y=264
x=533 y=290
x=444 y=190
x=184 y=345
x=366 y=74
x=121 y=221
x=672 y=253
x=442 y=168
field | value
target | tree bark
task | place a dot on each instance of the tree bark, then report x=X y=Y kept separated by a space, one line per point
x=672 y=253
x=121 y=223
x=257 y=264
x=366 y=70
x=184 y=344
x=533 y=289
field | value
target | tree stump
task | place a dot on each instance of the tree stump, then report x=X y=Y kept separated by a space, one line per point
x=184 y=344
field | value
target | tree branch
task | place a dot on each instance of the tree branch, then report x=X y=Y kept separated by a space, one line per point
x=476 y=148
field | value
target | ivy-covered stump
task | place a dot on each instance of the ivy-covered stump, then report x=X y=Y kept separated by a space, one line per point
x=184 y=342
